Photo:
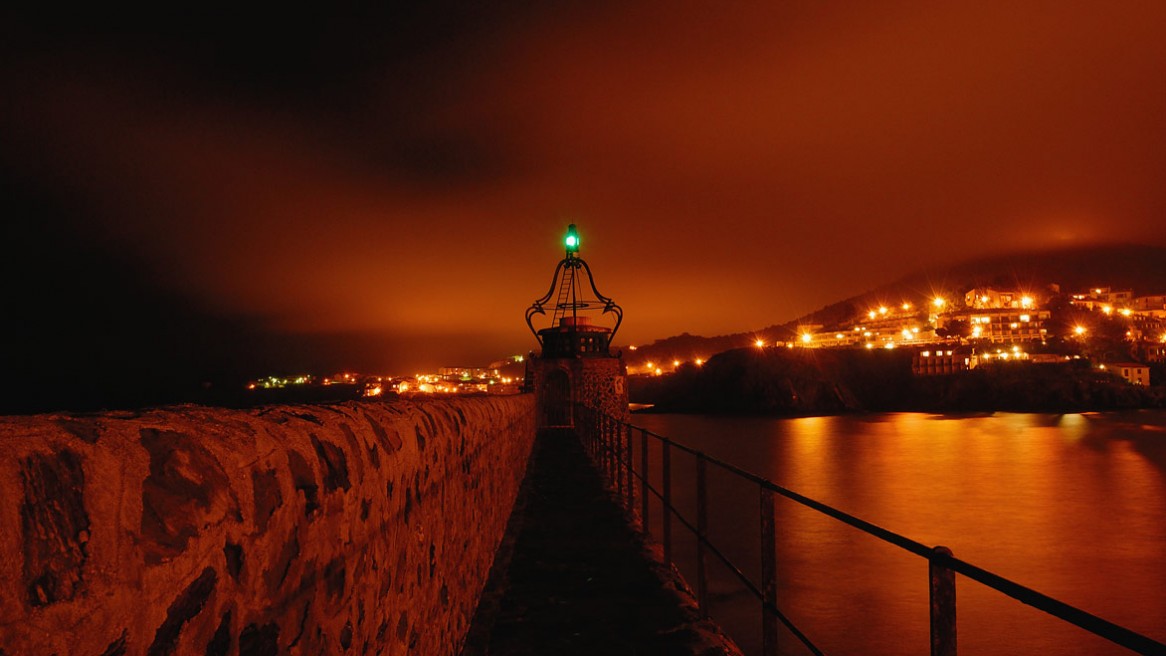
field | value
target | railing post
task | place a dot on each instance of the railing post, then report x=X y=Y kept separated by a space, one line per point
x=666 y=511
x=613 y=453
x=617 y=456
x=629 y=468
x=768 y=573
x=942 y=585
x=606 y=447
x=644 y=505
x=701 y=535
x=589 y=431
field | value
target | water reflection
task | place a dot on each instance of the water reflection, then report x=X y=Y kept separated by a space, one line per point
x=1071 y=505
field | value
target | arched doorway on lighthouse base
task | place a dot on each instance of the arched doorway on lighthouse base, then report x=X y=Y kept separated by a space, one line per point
x=556 y=399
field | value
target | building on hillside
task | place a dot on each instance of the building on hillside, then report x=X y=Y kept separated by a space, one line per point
x=939 y=362
x=1150 y=306
x=1135 y=373
x=987 y=298
x=1102 y=297
x=1003 y=325
x=1156 y=353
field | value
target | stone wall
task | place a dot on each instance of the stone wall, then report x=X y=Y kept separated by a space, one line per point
x=356 y=528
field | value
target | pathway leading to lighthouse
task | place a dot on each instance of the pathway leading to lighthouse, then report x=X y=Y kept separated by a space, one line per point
x=571 y=576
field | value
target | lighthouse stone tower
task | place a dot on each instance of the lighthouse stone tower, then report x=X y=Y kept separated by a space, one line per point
x=575 y=365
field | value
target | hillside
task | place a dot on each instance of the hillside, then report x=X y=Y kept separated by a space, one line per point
x=792 y=382
x=1122 y=266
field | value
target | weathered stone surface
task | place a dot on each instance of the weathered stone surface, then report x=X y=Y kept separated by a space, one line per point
x=85 y=429
x=304 y=480
x=220 y=644
x=334 y=463
x=258 y=640
x=115 y=648
x=281 y=530
x=233 y=553
x=186 y=491
x=55 y=526
x=188 y=604
x=265 y=488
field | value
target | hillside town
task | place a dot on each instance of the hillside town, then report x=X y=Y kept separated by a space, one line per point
x=948 y=333
x=500 y=377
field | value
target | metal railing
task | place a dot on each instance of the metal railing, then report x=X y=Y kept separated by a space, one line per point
x=610 y=444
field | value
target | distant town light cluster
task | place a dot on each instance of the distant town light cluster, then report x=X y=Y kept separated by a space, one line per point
x=983 y=325
x=449 y=380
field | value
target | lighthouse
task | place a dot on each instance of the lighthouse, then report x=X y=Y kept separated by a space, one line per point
x=574 y=365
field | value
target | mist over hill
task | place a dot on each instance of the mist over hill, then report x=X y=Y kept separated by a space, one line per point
x=1141 y=268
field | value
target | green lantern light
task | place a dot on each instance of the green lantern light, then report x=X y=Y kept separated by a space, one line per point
x=572 y=239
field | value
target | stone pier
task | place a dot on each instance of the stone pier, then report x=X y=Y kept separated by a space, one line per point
x=362 y=528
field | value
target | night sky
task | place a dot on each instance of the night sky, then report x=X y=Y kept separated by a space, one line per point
x=208 y=192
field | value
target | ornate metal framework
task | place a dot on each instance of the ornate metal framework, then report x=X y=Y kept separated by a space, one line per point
x=570 y=295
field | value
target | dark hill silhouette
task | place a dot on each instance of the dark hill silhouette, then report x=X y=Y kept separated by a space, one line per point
x=1120 y=266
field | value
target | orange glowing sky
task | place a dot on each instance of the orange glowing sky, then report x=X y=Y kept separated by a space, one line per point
x=407 y=174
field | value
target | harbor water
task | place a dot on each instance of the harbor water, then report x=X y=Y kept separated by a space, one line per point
x=1073 y=506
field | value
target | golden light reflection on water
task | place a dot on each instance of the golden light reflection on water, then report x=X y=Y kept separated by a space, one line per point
x=1070 y=505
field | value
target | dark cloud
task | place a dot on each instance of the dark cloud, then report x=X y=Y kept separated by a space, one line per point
x=406 y=172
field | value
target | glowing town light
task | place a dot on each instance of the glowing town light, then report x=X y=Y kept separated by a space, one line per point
x=871 y=314
x=1025 y=301
x=759 y=343
x=1108 y=309
x=889 y=345
x=675 y=363
x=631 y=348
x=906 y=333
x=838 y=335
x=650 y=365
x=1080 y=330
x=870 y=345
x=571 y=241
x=1016 y=349
x=1025 y=318
x=882 y=309
x=938 y=302
x=807 y=338
x=1125 y=312
x=906 y=306
x=699 y=362
x=977 y=331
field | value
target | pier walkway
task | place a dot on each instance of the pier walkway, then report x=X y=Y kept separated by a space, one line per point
x=571 y=576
